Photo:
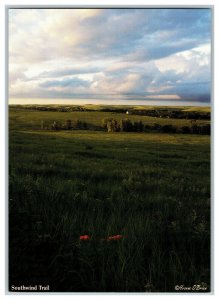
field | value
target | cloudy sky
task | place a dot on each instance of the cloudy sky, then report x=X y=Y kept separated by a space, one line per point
x=94 y=53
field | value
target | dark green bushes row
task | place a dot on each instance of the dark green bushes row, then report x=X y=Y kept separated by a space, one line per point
x=172 y=114
x=68 y=125
x=195 y=129
x=126 y=125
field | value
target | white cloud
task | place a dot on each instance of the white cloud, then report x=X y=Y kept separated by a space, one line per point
x=191 y=65
x=107 y=51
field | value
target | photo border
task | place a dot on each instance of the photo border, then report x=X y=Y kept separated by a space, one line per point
x=212 y=144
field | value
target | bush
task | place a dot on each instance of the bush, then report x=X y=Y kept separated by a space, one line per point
x=68 y=125
x=156 y=127
x=138 y=126
x=195 y=129
x=168 y=128
x=147 y=128
x=126 y=125
x=185 y=129
x=80 y=124
x=205 y=129
x=85 y=125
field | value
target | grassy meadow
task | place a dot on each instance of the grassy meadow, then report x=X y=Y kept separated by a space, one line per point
x=153 y=189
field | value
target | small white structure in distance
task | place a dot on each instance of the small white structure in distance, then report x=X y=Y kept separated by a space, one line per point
x=127 y=112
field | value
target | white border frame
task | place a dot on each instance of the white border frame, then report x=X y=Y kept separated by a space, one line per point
x=4 y=117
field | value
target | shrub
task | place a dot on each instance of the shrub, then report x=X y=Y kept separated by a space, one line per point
x=126 y=125
x=168 y=128
x=147 y=128
x=85 y=125
x=205 y=129
x=68 y=125
x=138 y=126
x=156 y=126
x=80 y=124
x=195 y=129
x=185 y=129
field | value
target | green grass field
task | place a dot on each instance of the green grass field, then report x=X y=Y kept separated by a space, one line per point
x=28 y=120
x=151 y=188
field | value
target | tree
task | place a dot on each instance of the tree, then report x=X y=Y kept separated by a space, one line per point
x=126 y=125
x=205 y=129
x=56 y=125
x=185 y=129
x=68 y=125
x=113 y=126
x=195 y=129
x=79 y=124
x=168 y=128
x=105 y=121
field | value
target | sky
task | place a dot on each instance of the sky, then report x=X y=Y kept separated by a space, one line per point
x=94 y=53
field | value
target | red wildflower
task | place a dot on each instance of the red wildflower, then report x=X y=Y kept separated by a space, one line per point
x=114 y=237
x=84 y=237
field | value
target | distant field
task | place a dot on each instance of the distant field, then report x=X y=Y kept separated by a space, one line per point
x=137 y=107
x=32 y=119
x=127 y=107
x=151 y=188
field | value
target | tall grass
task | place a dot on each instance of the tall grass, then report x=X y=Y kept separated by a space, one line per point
x=154 y=193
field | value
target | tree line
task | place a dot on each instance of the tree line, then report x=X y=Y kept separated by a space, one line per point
x=170 y=113
x=67 y=125
x=126 y=125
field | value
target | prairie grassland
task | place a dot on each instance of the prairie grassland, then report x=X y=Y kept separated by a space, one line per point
x=153 y=189
x=28 y=120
